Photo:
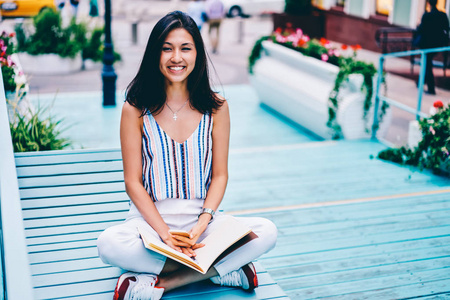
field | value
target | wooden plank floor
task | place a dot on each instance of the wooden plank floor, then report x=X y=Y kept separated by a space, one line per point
x=386 y=249
x=350 y=226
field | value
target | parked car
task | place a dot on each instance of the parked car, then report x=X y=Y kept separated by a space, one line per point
x=24 y=8
x=236 y=8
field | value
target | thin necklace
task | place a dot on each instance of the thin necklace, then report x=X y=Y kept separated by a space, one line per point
x=175 y=112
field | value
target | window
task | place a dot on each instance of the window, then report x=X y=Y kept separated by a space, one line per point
x=340 y=2
x=384 y=7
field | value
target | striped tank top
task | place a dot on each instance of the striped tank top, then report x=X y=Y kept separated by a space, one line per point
x=176 y=170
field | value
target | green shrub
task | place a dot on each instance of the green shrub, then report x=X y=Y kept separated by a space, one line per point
x=34 y=132
x=49 y=37
x=9 y=75
x=94 y=46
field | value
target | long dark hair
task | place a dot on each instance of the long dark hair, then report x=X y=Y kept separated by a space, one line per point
x=147 y=90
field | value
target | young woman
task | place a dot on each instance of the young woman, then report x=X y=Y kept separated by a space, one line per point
x=174 y=138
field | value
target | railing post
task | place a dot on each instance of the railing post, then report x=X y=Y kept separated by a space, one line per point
x=377 y=98
x=423 y=67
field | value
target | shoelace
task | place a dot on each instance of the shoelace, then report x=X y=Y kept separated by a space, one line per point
x=144 y=288
x=232 y=279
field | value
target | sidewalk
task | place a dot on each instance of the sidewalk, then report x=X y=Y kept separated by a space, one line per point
x=229 y=66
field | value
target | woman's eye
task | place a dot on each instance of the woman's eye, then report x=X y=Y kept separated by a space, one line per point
x=186 y=49
x=166 y=49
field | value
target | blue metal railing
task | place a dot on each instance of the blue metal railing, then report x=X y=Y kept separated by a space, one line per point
x=378 y=97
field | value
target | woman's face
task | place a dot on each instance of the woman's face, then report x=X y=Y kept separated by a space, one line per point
x=178 y=56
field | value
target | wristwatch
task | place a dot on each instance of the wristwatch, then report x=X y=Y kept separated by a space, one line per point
x=207 y=211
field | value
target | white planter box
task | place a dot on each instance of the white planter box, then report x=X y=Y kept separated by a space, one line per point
x=298 y=87
x=49 y=64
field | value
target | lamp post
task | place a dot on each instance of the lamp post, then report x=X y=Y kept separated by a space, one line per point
x=108 y=75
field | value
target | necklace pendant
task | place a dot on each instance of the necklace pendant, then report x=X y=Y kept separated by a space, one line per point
x=175 y=117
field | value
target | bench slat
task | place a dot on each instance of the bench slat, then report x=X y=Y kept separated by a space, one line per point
x=51 y=231
x=267 y=289
x=63 y=255
x=76 y=210
x=63 y=238
x=62 y=169
x=75 y=200
x=63 y=246
x=74 y=220
x=67 y=266
x=64 y=180
x=67 y=158
x=72 y=190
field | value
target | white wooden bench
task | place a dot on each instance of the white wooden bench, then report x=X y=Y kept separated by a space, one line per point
x=54 y=205
x=68 y=198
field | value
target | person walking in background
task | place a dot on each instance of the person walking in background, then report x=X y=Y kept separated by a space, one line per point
x=74 y=4
x=215 y=12
x=196 y=10
x=60 y=4
x=432 y=32
x=93 y=8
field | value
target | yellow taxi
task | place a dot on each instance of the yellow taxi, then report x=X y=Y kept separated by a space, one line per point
x=24 y=8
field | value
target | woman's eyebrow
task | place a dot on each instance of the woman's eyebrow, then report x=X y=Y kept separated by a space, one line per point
x=183 y=44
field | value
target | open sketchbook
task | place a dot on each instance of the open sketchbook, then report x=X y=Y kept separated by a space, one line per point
x=227 y=237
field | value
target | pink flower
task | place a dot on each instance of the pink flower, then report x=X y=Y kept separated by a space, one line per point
x=432 y=130
x=299 y=32
x=438 y=104
x=280 y=39
x=324 y=57
x=445 y=151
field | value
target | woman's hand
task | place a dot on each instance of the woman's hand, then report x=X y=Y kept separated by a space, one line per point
x=183 y=244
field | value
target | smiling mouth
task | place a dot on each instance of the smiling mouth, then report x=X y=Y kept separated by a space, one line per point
x=176 y=68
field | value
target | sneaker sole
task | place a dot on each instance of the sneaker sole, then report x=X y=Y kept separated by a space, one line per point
x=250 y=272
x=122 y=285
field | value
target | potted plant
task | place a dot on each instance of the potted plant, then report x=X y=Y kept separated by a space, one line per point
x=47 y=47
x=433 y=150
x=319 y=85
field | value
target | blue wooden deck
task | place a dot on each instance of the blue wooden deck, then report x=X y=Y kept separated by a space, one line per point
x=350 y=226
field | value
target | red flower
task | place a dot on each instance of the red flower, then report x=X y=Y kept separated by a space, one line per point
x=324 y=41
x=438 y=104
x=356 y=47
x=12 y=34
x=279 y=30
x=344 y=47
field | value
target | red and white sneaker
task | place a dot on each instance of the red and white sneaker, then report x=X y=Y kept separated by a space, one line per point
x=137 y=286
x=245 y=277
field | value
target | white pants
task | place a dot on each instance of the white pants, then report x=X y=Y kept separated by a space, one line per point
x=121 y=245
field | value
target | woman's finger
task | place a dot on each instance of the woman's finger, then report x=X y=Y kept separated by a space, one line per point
x=196 y=246
x=181 y=244
x=191 y=251
x=186 y=251
x=184 y=240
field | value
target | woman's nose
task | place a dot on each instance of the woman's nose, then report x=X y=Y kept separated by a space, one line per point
x=176 y=57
